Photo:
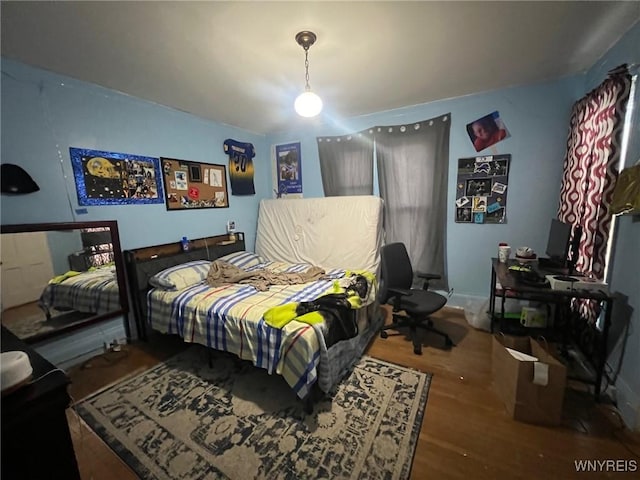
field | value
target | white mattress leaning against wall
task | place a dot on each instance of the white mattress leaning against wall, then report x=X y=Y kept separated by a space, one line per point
x=330 y=232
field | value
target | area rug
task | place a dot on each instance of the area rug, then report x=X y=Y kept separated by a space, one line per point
x=184 y=420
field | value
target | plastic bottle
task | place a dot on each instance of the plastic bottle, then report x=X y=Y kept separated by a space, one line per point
x=185 y=244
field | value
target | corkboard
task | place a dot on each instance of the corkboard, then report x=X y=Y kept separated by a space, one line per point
x=190 y=185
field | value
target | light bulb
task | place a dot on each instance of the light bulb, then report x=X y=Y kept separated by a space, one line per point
x=308 y=104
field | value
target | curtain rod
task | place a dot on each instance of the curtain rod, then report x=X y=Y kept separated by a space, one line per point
x=622 y=67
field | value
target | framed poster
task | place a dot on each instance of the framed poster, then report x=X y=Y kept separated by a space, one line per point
x=288 y=169
x=481 y=190
x=191 y=185
x=109 y=178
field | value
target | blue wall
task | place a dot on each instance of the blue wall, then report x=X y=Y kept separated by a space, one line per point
x=61 y=245
x=44 y=114
x=537 y=119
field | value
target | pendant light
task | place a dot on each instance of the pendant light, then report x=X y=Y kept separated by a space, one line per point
x=308 y=104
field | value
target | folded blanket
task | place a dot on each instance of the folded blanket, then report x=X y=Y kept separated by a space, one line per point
x=223 y=273
x=64 y=276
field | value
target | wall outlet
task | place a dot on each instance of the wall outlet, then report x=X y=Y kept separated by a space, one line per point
x=231 y=226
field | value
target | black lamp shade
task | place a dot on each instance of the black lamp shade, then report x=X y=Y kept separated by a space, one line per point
x=15 y=180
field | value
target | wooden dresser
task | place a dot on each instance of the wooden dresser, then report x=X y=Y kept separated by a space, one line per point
x=36 y=442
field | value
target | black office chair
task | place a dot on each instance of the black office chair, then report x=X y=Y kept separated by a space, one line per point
x=395 y=285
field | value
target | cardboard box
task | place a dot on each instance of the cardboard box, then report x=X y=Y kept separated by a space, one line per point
x=533 y=317
x=532 y=391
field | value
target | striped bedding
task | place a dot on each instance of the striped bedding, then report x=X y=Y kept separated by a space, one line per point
x=230 y=318
x=90 y=292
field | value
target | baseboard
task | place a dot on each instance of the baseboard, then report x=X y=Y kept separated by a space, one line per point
x=461 y=300
x=75 y=347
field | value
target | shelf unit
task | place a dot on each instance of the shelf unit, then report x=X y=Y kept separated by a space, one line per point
x=565 y=322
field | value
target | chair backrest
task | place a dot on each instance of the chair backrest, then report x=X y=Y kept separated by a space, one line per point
x=396 y=271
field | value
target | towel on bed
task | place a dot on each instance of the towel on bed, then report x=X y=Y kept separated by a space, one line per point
x=223 y=273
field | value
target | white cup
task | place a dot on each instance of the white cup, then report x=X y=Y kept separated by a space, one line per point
x=504 y=252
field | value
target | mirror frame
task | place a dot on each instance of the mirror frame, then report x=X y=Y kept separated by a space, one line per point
x=118 y=260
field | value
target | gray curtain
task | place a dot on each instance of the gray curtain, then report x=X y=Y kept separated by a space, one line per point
x=346 y=164
x=413 y=166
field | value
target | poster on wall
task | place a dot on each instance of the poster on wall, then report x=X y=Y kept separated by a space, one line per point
x=487 y=131
x=109 y=178
x=191 y=185
x=288 y=170
x=481 y=190
x=240 y=166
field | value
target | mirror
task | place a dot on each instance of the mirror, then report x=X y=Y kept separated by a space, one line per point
x=59 y=277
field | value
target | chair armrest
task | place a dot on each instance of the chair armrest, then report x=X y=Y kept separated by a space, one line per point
x=429 y=276
x=399 y=292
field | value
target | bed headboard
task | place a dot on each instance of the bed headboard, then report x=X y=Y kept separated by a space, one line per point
x=331 y=232
x=143 y=263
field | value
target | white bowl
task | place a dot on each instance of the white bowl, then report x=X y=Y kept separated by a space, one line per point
x=525 y=252
x=15 y=368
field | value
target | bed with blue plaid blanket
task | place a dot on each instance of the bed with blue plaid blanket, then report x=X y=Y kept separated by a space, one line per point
x=231 y=318
x=88 y=292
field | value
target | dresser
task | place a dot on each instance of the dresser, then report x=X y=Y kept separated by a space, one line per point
x=36 y=442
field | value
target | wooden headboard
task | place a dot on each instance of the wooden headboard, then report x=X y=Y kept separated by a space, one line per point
x=143 y=263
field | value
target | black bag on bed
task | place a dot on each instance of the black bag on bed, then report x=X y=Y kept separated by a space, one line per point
x=338 y=314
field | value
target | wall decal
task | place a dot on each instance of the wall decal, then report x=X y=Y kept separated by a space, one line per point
x=487 y=131
x=109 y=178
x=481 y=193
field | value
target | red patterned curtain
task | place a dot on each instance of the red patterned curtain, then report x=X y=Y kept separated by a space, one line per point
x=591 y=168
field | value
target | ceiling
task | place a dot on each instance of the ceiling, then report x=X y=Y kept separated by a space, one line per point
x=238 y=63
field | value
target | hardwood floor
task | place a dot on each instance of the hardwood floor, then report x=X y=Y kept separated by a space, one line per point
x=466 y=432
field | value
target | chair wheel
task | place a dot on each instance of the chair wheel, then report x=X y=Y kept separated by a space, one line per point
x=383 y=334
x=417 y=350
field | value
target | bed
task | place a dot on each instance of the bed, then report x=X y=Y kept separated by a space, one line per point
x=95 y=291
x=171 y=293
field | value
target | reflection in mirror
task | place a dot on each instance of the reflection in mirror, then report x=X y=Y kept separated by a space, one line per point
x=59 y=277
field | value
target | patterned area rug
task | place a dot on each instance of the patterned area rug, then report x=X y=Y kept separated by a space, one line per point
x=184 y=420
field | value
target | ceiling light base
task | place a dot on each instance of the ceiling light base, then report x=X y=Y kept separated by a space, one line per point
x=305 y=39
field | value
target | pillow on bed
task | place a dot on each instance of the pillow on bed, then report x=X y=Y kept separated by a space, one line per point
x=181 y=276
x=243 y=259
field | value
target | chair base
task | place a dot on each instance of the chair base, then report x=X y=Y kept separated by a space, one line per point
x=400 y=321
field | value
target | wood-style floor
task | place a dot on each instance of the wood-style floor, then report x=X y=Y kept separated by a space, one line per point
x=466 y=432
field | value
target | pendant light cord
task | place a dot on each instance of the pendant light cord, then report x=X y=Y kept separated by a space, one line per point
x=306 y=68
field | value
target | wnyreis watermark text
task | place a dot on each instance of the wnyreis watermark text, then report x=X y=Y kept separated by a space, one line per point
x=609 y=465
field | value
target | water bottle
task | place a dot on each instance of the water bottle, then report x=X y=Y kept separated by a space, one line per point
x=185 y=244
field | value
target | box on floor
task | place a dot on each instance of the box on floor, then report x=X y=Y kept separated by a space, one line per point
x=532 y=390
